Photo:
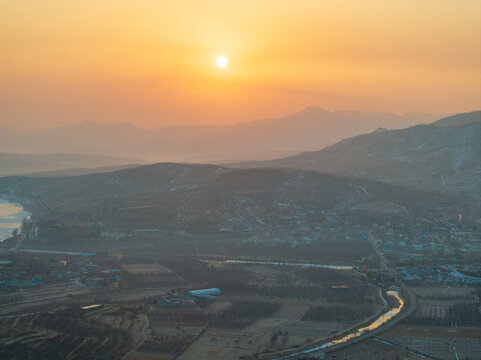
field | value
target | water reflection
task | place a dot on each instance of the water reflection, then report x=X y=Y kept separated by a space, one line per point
x=382 y=319
x=334 y=267
x=11 y=216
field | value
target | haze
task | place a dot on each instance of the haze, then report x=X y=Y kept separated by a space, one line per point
x=240 y=180
x=152 y=63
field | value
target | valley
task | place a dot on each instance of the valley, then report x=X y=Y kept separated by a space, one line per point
x=301 y=259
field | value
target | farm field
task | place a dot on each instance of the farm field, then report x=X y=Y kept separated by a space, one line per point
x=442 y=342
x=261 y=309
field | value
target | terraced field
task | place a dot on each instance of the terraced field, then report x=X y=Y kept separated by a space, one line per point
x=69 y=334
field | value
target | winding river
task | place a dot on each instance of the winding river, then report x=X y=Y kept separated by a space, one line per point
x=375 y=324
x=11 y=216
x=381 y=320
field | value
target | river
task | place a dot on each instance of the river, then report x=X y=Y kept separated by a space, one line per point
x=333 y=267
x=11 y=216
x=381 y=320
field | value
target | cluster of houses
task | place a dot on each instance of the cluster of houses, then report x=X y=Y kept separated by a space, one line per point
x=49 y=270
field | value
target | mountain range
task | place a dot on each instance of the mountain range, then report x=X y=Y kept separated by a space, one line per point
x=59 y=164
x=310 y=129
x=443 y=156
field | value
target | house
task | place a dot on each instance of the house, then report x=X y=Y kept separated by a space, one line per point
x=95 y=282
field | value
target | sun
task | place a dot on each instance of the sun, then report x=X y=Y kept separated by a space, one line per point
x=221 y=61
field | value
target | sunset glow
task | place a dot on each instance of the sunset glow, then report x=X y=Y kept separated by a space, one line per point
x=151 y=62
x=221 y=61
x=227 y=179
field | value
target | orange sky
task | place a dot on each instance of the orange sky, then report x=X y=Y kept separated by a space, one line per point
x=152 y=62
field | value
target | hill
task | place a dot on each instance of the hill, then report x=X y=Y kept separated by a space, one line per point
x=444 y=156
x=206 y=199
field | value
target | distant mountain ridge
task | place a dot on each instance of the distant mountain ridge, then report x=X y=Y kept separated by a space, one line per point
x=444 y=156
x=309 y=129
x=16 y=164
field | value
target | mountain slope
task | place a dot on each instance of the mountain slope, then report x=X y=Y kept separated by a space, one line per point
x=459 y=119
x=445 y=155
